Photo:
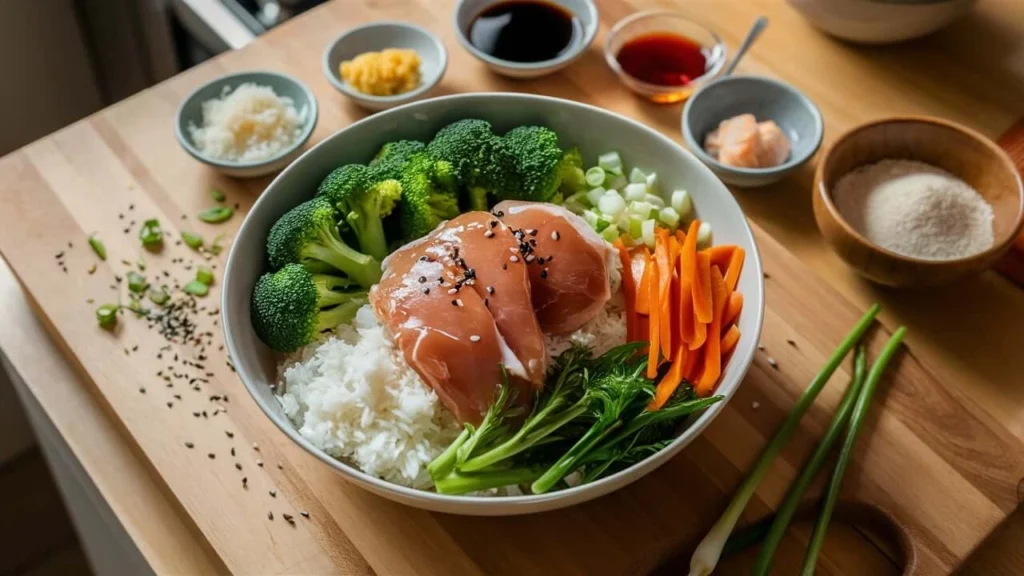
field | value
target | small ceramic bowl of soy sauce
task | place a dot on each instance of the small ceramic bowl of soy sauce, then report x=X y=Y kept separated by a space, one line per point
x=662 y=55
x=526 y=38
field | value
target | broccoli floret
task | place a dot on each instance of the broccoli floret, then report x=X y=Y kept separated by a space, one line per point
x=463 y=144
x=429 y=195
x=539 y=162
x=308 y=235
x=363 y=202
x=292 y=306
x=392 y=157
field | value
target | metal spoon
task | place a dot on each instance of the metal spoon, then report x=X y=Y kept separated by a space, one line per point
x=755 y=31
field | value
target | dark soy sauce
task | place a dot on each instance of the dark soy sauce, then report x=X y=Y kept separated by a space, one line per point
x=525 y=31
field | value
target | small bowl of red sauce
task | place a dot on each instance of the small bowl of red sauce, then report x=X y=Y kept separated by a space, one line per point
x=663 y=55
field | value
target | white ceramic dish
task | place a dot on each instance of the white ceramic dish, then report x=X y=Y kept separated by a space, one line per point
x=594 y=131
x=191 y=113
x=585 y=10
x=377 y=36
x=881 y=21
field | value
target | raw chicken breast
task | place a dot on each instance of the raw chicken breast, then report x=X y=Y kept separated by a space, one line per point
x=450 y=339
x=485 y=246
x=567 y=261
x=743 y=142
x=774 y=144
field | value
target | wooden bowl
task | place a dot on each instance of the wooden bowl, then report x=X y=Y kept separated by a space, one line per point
x=960 y=151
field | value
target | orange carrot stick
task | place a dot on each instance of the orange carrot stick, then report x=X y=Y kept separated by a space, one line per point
x=720 y=255
x=732 y=308
x=673 y=313
x=671 y=381
x=732 y=273
x=628 y=288
x=713 y=349
x=693 y=364
x=661 y=254
x=654 y=333
x=732 y=336
x=643 y=306
x=702 y=289
x=687 y=263
x=681 y=236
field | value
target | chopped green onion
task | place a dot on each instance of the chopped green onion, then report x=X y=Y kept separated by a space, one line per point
x=704 y=234
x=594 y=176
x=652 y=182
x=637 y=176
x=215 y=215
x=612 y=204
x=215 y=247
x=602 y=223
x=106 y=315
x=641 y=209
x=595 y=195
x=196 y=288
x=647 y=232
x=668 y=217
x=192 y=240
x=705 y=557
x=616 y=182
x=610 y=233
x=634 y=192
x=636 y=226
x=158 y=296
x=860 y=411
x=98 y=247
x=681 y=202
x=217 y=195
x=610 y=162
x=787 y=509
x=151 y=235
x=591 y=218
x=654 y=200
x=204 y=275
x=136 y=282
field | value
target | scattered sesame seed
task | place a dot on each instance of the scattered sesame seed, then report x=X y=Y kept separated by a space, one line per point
x=490 y=289
x=189 y=445
x=259 y=463
x=232 y=450
x=487 y=302
x=229 y=433
x=755 y=404
x=452 y=291
x=513 y=258
x=270 y=515
x=554 y=235
x=544 y=273
x=426 y=290
x=773 y=363
x=504 y=265
x=760 y=347
x=458 y=302
x=474 y=338
x=529 y=257
x=170 y=404
x=767 y=276
x=255 y=446
x=273 y=493
x=280 y=466
x=791 y=342
x=304 y=514
x=211 y=455
x=493 y=223
x=245 y=482
x=422 y=279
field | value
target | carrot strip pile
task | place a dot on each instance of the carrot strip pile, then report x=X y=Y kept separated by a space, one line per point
x=684 y=303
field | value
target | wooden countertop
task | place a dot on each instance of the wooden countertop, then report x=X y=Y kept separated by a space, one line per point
x=961 y=334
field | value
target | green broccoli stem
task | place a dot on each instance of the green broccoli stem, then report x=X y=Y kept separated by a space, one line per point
x=369 y=230
x=459 y=483
x=443 y=465
x=571 y=459
x=360 y=267
x=341 y=314
x=527 y=436
x=478 y=198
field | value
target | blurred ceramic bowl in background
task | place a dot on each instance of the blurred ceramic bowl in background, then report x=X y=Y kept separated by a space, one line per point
x=881 y=21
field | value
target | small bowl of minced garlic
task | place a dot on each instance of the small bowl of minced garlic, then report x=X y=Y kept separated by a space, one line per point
x=381 y=65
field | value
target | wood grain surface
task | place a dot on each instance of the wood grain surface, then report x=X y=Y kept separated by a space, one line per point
x=943 y=449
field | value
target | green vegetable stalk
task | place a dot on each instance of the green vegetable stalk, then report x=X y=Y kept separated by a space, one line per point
x=106 y=315
x=151 y=235
x=205 y=275
x=193 y=241
x=136 y=282
x=98 y=247
x=706 y=556
x=216 y=215
x=860 y=411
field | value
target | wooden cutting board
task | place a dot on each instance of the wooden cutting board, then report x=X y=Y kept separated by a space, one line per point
x=936 y=460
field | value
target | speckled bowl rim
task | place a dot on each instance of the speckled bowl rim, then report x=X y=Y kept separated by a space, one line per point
x=312 y=116
x=794 y=161
x=825 y=191
x=589 y=34
x=425 y=86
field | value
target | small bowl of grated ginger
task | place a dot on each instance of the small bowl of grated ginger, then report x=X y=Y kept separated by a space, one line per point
x=385 y=64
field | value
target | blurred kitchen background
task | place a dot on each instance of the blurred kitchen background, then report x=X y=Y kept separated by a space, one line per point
x=63 y=60
x=78 y=56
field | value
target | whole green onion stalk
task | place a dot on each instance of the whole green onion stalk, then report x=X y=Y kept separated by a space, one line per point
x=706 y=556
x=860 y=411
x=763 y=564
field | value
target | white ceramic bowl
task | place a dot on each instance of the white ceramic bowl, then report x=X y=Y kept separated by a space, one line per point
x=881 y=21
x=594 y=131
x=377 y=36
x=191 y=113
x=467 y=10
